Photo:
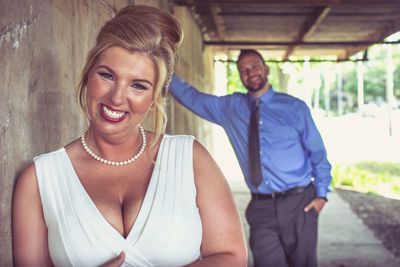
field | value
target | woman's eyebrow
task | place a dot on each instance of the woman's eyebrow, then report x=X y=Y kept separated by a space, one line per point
x=106 y=67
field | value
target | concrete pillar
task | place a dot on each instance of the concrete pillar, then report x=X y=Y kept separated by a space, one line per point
x=43 y=46
x=283 y=79
x=327 y=86
x=307 y=82
x=316 y=98
x=389 y=85
x=360 y=84
x=340 y=88
x=221 y=79
x=196 y=66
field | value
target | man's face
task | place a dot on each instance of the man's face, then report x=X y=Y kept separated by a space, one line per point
x=253 y=72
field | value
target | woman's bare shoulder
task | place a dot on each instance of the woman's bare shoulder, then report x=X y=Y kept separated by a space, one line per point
x=26 y=185
x=201 y=156
x=27 y=175
x=205 y=168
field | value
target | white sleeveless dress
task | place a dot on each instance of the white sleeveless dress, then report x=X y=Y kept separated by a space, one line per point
x=167 y=230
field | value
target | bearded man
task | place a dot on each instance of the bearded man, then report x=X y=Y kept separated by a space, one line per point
x=282 y=156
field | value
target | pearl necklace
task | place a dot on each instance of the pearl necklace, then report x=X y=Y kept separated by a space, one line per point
x=117 y=163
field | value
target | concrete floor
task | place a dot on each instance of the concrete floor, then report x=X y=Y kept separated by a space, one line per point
x=344 y=241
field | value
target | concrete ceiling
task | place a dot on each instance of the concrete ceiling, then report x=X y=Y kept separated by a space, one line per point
x=286 y=28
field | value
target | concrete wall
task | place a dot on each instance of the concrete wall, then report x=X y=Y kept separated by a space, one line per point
x=196 y=66
x=43 y=45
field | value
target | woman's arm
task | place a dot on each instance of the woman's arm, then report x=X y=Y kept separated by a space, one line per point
x=223 y=239
x=29 y=228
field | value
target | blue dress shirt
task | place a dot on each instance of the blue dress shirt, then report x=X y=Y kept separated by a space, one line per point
x=291 y=149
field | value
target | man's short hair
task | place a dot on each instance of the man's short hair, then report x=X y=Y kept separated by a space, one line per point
x=245 y=52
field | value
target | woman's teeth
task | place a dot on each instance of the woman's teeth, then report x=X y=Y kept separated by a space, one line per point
x=113 y=114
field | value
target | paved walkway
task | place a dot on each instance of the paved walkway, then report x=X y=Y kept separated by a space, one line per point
x=344 y=241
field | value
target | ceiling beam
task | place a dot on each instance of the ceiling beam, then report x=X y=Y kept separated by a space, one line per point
x=298 y=14
x=387 y=30
x=297 y=60
x=333 y=43
x=218 y=21
x=291 y=2
x=316 y=21
x=309 y=27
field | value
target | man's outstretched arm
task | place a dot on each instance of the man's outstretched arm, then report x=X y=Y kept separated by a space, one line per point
x=209 y=107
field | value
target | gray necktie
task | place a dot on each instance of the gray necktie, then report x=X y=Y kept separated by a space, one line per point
x=254 y=146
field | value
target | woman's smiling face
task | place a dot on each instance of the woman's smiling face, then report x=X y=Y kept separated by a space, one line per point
x=120 y=90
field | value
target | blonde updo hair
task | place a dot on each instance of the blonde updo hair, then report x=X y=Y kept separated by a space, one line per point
x=144 y=29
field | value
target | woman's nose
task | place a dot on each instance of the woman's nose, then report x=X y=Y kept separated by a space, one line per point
x=118 y=94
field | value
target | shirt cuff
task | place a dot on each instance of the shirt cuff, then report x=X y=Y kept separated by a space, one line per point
x=322 y=192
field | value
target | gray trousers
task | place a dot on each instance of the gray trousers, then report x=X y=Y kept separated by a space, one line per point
x=281 y=233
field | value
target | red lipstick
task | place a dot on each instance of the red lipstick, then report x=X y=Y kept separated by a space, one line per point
x=111 y=119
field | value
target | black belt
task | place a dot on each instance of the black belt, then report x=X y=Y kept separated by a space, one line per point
x=295 y=190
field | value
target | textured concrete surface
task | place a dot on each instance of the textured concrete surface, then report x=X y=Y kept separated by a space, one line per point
x=43 y=45
x=42 y=48
x=195 y=66
x=343 y=241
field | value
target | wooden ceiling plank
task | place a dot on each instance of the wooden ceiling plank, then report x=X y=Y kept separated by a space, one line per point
x=291 y=2
x=302 y=14
x=289 y=52
x=263 y=14
x=344 y=25
x=218 y=21
x=309 y=27
x=316 y=22
x=325 y=43
x=386 y=30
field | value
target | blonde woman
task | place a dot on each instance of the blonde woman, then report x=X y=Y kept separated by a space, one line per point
x=120 y=195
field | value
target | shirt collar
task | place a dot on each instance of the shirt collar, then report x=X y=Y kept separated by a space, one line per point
x=265 y=98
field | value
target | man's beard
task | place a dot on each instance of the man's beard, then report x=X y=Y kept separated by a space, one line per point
x=258 y=88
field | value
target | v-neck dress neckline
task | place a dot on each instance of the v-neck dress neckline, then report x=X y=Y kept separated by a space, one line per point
x=167 y=230
x=96 y=212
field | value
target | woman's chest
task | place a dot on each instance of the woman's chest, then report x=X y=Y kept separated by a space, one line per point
x=117 y=195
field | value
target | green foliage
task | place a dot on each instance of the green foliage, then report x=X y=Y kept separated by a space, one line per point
x=369 y=177
x=396 y=189
x=374 y=74
x=274 y=74
x=382 y=167
x=234 y=82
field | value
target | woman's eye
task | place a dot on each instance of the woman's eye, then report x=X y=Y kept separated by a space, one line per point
x=139 y=86
x=106 y=75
